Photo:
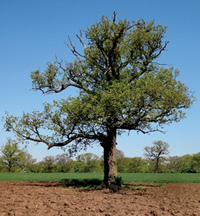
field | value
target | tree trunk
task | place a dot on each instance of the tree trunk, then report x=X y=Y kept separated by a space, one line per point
x=156 y=166
x=110 y=163
x=9 y=167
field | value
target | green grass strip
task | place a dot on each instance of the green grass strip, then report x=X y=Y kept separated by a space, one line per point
x=161 y=177
x=126 y=177
x=48 y=176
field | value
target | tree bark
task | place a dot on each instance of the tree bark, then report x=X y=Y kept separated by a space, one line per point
x=9 y=167
x=110 y=163
x=156 y=166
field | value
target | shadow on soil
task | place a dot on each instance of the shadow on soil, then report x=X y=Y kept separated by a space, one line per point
x=85 y=183
x=95 y=184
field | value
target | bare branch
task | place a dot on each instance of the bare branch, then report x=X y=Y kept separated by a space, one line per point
x=63 y=87
x=150 y=131
x=73 y=49
x=73 y=138
x=114 y=16
x=81 y=39
x=161 y=50
x=26 y=137
x=75 y=84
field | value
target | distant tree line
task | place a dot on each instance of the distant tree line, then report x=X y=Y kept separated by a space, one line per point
x=157 y=159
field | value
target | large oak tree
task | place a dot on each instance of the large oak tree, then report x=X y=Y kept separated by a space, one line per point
x=121 y=87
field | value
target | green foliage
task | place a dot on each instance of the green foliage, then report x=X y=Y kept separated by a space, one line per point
x=196 y=162
x=118 y=181
x=48 y=164
x=121 y=87
x=184 y=164
x=63 y=163
x=13 y=158
x=90 y=163
x=137 y=165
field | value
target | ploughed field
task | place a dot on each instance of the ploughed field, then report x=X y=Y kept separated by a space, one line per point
x=49 y=198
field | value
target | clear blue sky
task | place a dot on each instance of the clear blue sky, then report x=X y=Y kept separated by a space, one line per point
x=33 y=31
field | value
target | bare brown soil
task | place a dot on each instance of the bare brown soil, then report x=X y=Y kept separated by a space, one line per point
x=36 y=199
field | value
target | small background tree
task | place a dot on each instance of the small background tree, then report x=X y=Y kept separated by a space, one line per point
x=15 y=159
x=137 y=165
x=48 y=164
x=91 y=162
x=156 y=153
x=63 y=162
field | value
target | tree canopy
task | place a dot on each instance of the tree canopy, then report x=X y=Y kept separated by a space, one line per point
x=121 y=87
x=14 y=157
